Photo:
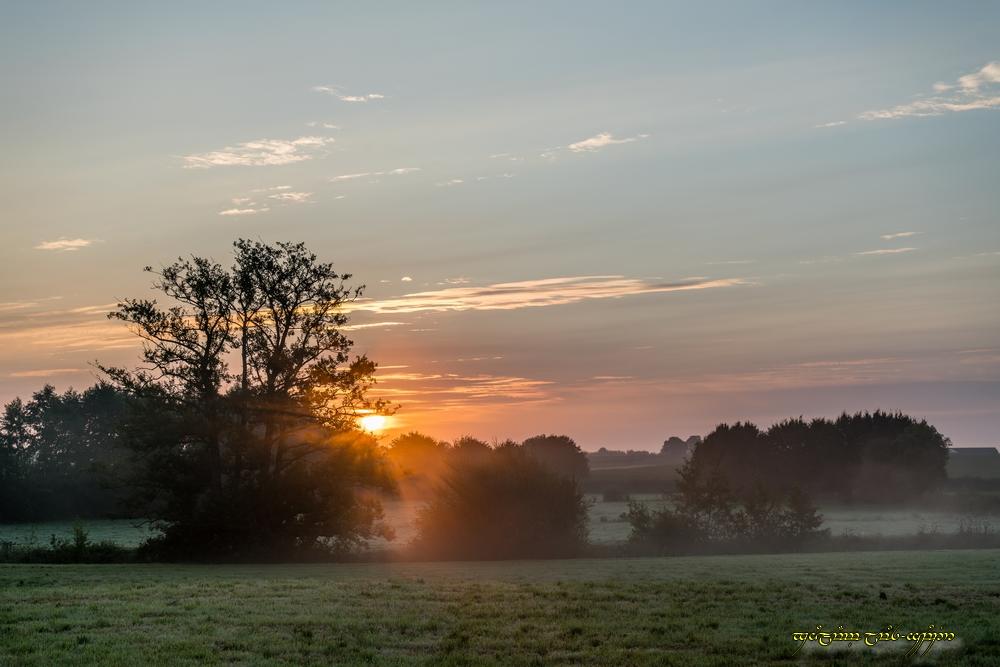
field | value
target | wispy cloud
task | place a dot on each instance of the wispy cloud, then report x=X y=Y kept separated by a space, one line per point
x=506 y=156
x=45 y=372
x=898 y=235
x=343 y=96
x=27 y=304
x=602 y=140
x=64 y=244
x=836 y=123
x=260 y=153
x=244 y=211
x=9 y=306
x=372 y=325
x=292 y=197
x=399 y=171
x=886 y=251
x=83 y=328
x=447 y=391
x=451 y=182
x=970 y=92
x=536 y=293
x=325 y=126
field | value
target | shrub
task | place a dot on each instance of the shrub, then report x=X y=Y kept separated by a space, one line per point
x=508 y=505
x=710 y=513
x=663 y=529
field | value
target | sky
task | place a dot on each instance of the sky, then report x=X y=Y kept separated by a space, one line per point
x=620 y=223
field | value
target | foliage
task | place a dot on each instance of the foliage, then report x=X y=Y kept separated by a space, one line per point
x=506 y=505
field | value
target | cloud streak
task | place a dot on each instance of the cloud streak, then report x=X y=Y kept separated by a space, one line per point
x=292 y=197
x=260 y=153
x=44 y=372
x=602 y=140
x=448 y=391
x=536 y=293
x=399 y=171
x=243 y=211
x=886 y=251
x=64 y=244
x=339 y=93
x=898 y=235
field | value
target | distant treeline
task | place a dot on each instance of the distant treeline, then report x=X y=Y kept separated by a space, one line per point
x=61 y=455
x=673 y=452
x=868 y=456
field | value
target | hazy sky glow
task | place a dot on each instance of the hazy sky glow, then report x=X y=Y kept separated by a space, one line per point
x=621 y=224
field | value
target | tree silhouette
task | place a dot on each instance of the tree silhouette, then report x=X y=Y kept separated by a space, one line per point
x=263 y=456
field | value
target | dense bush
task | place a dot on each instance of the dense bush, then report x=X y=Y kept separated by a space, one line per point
x=709 y=512
x=663 y=529
x=560 y=454
x=506 y=505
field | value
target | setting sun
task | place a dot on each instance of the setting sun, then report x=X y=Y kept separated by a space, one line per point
x=373 y=423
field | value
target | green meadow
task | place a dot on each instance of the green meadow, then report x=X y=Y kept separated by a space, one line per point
x=654 y=611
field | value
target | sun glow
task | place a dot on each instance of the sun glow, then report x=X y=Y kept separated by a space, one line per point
x=374 y=423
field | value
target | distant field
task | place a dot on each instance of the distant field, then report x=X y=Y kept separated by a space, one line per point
x=125 y=532
x=606 y=524
x=662 y=611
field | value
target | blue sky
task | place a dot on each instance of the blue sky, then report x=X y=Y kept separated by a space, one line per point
x=617 y=222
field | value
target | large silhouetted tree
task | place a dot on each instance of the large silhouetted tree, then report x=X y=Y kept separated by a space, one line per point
x=248 y=398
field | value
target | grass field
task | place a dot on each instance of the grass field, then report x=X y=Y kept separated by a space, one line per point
x=657 y=611
x=606 y=525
